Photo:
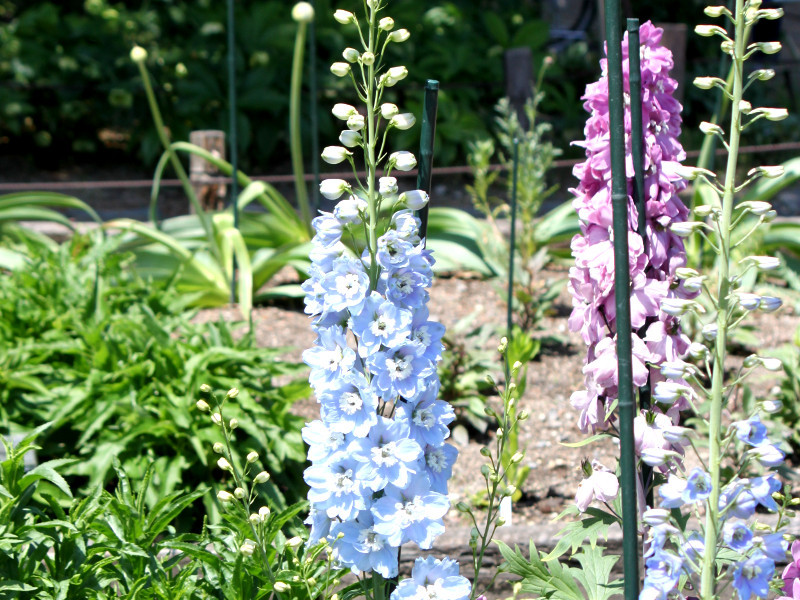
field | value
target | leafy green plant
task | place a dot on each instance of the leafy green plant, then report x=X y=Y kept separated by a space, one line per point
x=110 y=361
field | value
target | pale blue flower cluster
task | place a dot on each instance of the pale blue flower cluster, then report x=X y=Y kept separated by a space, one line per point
x=753 y=554
x=433 y=579
x=380 y=464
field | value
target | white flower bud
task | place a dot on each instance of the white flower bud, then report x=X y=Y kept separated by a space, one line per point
x=676 y=435
x=224 y=496
x=415 y=199
x=768 y=172
x=404 y=121
x=249 y=546
x=402 y=160
x=202 y=406
x=399 y=36
x=745 y=107
x=255 y=519
x=709 y=30
x=771 y=364
x=340 y=69
x=703 y=210
x=764 y=263
x=774 y=114
x=223 y=464
x=349 y=138
x=368 y=58
x=771 y=406
x=333 y=155
x=686 y=273
x=303 y=12
x=349 y=210
x=668 y=392
x=763 y=74
x=238 y=493
x=281 y=587
x=397 y=73
x=333 y=188
x=294 y=542
x=216 y=418
x=252 y=457
x=757 y=207
x=710 y=128
x=355 y=122
x=686 y=228
x=716 y=11
x=656 y=457
x=693 y=284
x=138 y=54
x=678 y=306
x=233 y=423
x=262 y=477
x=697 y=350
x=389 y=110
x=769 y=47
x=706 y=83
x=386 y=24
x=749 y=301
x=205 y=388
x=264 y=513
x=387 y=186
x=674 y=369
x=218 y=447
x=770 y=303
x=656 y=516
x=517 y=457
x=691 y=173
x=232 y=393
x=710 y=331
x=351 y=55
x=345 y=17
x=343 y=111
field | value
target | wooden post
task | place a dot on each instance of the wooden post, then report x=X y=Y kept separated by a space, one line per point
x=201 y=172
x=519 y=81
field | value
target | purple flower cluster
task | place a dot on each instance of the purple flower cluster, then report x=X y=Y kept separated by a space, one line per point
x=380 y=464
x=657 y=337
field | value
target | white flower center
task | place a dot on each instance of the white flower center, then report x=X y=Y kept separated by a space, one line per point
x=424 y=418
x=436 y=461
x=423 y=336
x=350 y=403
x=347 y=285
x=384 y=456
x=399 y=367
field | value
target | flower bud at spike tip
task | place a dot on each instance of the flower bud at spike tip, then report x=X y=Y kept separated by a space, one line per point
x=202 y=406
x=218 y=447
x=386 y=24
x=349 y=138
x=340 y=69
x=238 y=493
x=333 y=155
x=399 y=36
x=138 y=54
x=351 y=55
x=344 y=17
x=303 y=12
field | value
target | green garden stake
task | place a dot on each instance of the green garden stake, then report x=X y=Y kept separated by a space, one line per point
x=232 y=136
x=637 y=152
x=427 y=135
x=312 y=68
x=622 y=284
x=512 y=243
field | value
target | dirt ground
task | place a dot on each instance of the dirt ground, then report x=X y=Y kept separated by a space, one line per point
x=552 y=377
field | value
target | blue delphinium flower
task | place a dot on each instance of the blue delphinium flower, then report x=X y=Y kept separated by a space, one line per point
x=433 y=578
x=751 y=577
x=380 y=464
x=663 y=573
x=738 y=536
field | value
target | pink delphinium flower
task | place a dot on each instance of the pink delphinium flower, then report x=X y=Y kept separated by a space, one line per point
x=652 y=262
x=791 y=575
x=600 y=485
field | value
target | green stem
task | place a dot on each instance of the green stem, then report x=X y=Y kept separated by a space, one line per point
x=176 y=163
x=708 y=577
x=372 y=200
x=296 y=143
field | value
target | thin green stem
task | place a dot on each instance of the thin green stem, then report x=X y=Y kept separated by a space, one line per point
x=372 y=199
x=708 y=576
x=296 y=142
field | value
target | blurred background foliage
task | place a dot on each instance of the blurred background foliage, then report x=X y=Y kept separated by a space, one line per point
x=70 y=92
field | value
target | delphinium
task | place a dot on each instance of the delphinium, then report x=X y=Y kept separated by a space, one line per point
x=655 y=263
x=380 y=464
x=735 y=477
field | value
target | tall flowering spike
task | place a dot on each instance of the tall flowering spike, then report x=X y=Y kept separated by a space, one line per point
x=657 y=337
x=379 y=461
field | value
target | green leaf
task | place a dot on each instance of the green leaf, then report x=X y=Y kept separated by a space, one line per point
x=596 y=566
x=47 y=471
x=595 y=523
x=584 y=442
